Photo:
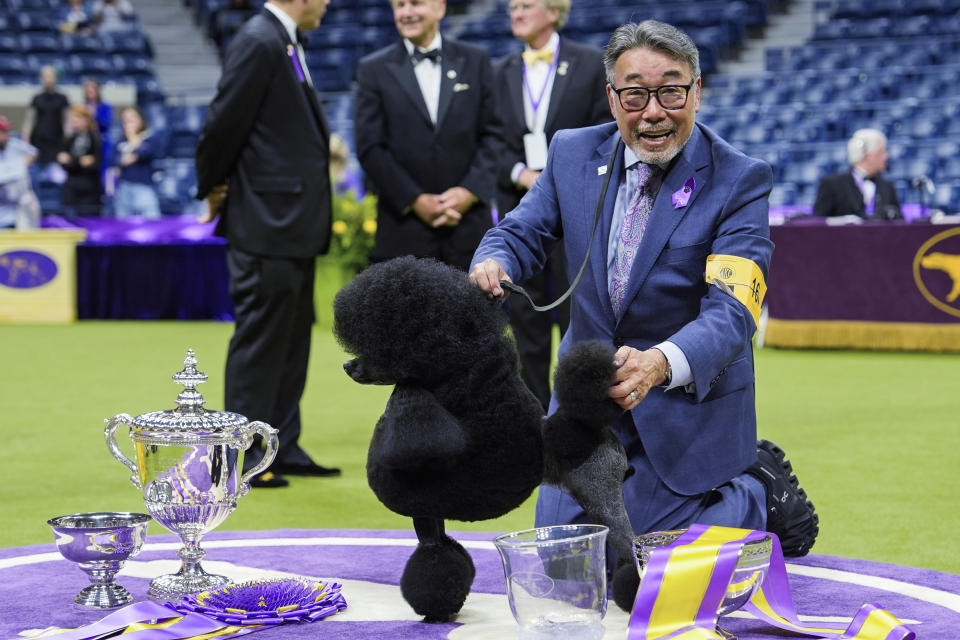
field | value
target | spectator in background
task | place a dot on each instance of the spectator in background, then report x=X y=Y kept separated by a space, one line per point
x=228 y=21
x=427 y=136
x=18 y=204
x=113 y=15
x=81 y=159
x=344 y=179
x=44 y=122
x=554 y=84
x=133 y=157
x=103 y=115
x=75 y=18
x=860 y=191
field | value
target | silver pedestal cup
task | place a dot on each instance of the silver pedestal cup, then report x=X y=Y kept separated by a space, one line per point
x=753 y=563
x=100 y=543
x=188 y=462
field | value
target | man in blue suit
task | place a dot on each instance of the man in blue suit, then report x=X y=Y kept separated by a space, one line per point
x=675 y=280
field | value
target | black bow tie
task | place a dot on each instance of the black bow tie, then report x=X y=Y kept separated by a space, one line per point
x=301 y=38
x=432 y=55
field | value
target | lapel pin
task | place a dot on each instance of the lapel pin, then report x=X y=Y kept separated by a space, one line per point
x=562 y=69
x=602 y=170
x=681 y=196
x=460 y=86
x=451 y=74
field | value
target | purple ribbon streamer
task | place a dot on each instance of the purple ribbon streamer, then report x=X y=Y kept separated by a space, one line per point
x=295 y=59
x=119 y=619
x=681 y=196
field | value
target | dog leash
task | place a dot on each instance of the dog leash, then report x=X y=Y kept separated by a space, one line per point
x=515 y=288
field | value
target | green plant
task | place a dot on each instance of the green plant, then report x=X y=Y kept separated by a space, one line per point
x=354 y=227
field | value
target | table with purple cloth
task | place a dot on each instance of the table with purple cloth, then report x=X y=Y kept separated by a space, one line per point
x=37 y=587
x=132 y=268
x=873 y=285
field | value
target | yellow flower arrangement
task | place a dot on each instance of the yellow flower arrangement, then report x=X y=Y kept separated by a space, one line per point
x=354 y=227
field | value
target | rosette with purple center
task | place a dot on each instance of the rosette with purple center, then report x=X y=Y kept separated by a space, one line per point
x=268 y=602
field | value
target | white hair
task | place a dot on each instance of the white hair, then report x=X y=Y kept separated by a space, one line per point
x=863 y=142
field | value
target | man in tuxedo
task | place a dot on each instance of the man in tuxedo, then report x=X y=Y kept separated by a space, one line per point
x=860 y=191
x=555 y=83
x=263 y=167
x=674 y=281
x=426 y=135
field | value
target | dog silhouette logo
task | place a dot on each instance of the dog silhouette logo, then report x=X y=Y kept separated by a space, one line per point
x=936 y=271
x=26 y=269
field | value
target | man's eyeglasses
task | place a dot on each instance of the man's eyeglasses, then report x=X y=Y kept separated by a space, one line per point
x=670 y=96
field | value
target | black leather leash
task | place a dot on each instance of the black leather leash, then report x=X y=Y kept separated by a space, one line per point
x=515 y=288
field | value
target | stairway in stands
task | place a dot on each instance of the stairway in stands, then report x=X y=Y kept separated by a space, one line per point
x=186 y=63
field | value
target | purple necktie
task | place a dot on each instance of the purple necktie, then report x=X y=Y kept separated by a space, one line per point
x=634 y=223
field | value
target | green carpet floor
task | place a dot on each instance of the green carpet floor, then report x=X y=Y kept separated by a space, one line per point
x=873 y=436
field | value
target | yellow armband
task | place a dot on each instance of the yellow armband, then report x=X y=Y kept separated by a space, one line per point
x=743 y=280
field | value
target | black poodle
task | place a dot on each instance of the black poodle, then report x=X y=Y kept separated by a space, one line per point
x=461 y=437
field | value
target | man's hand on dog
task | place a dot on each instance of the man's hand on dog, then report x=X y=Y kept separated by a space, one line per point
x=487 y=275
x=637 y=372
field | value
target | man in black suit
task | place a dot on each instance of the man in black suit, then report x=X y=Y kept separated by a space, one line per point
x=861 y=191
x=554 y=84
x=263 y=166
x=426 y=137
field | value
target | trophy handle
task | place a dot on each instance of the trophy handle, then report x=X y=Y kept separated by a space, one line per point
x=110 y=434
x=269 y=435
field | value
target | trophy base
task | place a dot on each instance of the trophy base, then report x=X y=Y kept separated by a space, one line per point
x=176 y=585
x=103 y=596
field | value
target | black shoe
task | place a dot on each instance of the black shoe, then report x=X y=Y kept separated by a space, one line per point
x=311 y=469
x=790 y=514
x=269 y=480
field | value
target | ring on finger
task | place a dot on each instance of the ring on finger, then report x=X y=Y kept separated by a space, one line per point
x=633 y=395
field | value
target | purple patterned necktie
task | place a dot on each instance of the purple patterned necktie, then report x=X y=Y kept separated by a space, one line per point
x=634 y=223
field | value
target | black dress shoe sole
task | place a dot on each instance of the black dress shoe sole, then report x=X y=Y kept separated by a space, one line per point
x=307 y=470
x=790 y=514
x=269 y=480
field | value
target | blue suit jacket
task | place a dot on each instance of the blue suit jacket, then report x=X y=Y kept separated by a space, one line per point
x=695 y=441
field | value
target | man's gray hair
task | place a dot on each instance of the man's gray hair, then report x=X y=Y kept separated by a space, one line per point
x=562 y=7
x=651 y=34
x=863 y=142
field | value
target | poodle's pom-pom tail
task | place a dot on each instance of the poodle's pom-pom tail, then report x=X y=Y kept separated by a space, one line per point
x=437 y=580
x=626 y=582
x=584 y=375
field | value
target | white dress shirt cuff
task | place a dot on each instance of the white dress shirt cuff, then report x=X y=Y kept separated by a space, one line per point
x=516 y=171
x=679 y=367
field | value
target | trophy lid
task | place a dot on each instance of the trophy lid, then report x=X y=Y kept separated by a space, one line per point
x=189 y=417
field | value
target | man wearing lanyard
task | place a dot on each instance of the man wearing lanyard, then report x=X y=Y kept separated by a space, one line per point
x=554 y=84
x=426 y=137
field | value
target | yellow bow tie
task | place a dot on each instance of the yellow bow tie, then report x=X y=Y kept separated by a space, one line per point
x=531 y=57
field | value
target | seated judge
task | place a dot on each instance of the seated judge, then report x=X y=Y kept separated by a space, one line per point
x=861 y=190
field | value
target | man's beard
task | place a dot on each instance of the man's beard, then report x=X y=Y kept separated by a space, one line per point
x=660 y=158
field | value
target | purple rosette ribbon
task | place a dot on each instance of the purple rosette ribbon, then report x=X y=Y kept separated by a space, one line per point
x=681 y=196
x=267 y=602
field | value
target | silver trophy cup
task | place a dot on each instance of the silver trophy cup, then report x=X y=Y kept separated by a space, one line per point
x=188 y=462
x=100 y=543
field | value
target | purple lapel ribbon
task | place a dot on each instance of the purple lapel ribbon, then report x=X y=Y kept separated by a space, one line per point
x=681 y=196
x=295 y=59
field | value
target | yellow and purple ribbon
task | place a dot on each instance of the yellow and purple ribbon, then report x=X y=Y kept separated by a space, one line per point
x=684 y=584
x=230 y=611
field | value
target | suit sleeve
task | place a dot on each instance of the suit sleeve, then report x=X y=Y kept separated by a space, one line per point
x=724 y=326
x=481 y=179
x=372 y=139
x=242 y=88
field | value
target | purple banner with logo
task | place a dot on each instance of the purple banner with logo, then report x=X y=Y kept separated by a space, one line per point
x=874 y=272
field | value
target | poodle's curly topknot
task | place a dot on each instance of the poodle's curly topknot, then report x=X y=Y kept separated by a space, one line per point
x=403 y=340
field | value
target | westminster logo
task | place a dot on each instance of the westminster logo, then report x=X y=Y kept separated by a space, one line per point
x=26 y=269
x=936 y=271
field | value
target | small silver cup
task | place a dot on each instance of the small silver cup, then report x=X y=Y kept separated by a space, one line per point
x=100 y=543
x=752 y=565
